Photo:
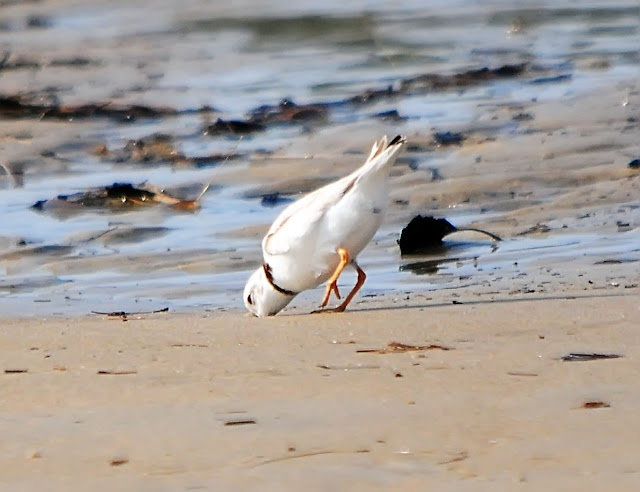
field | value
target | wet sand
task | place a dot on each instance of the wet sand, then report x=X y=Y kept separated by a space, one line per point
x=559 y=191
x=181 y=402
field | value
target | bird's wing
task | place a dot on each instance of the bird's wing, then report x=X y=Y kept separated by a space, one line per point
x=301 y=218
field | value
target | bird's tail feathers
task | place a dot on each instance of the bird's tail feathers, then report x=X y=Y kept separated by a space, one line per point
x=377 y=148
x=383 y=154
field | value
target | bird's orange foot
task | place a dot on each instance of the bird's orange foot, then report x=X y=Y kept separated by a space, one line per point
x=345 y=303
x=338 y=309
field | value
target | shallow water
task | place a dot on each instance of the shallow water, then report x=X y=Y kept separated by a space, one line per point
x=237 y=58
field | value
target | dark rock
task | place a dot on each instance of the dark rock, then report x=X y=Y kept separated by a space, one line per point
x=233 y=127
x=38 y=21
x=273 y=199
x=423 y=233
x=426 y=233
x=448 y=138
x=556 y=78
x=391 y=115
x=523 y=117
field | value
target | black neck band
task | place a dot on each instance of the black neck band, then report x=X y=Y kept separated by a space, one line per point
x=269 y=275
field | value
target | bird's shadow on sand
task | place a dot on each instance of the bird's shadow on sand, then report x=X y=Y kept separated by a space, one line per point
x=478 y=302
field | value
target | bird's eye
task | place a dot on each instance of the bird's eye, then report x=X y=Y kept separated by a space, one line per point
x=250 y=300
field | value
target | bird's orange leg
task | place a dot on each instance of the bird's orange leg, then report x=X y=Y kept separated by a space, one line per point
x=332 y=284
x=359 y=283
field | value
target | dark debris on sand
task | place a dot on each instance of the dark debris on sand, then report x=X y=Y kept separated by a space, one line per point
x=588 y=356
x=117 y=196
x=26 y=106
x=399 y=347
x=158 y=148
x=286 y=112
x=431 y=81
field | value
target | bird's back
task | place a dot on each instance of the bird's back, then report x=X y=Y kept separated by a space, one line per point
x=302 y=244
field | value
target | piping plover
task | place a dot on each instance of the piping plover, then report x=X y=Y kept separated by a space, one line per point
x=316 y=237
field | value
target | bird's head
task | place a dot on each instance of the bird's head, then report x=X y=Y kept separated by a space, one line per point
x=261 y=298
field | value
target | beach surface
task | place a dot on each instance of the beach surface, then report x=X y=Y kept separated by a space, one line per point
x=478 y=365
x=469 y=396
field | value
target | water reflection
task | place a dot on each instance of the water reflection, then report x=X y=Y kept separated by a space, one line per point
x=431 y=260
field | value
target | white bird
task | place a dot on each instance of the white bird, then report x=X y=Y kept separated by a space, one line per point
x=316 y=237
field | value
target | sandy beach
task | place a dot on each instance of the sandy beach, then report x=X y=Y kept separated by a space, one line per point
x=477 y=397
x=479 y=366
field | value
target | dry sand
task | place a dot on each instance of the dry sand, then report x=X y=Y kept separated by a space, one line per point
x=499 y=410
